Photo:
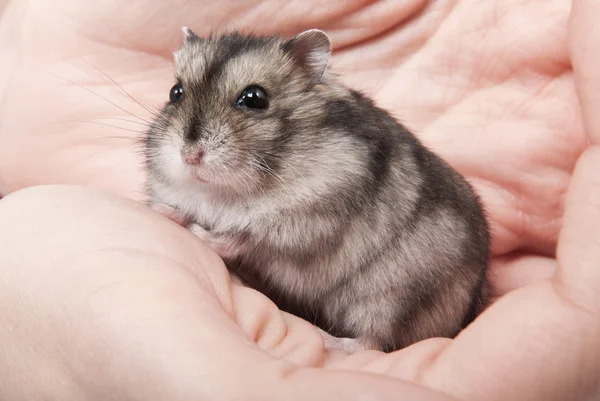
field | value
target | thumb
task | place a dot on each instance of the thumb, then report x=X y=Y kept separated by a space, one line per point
x=578 y=252
x=584 y=46
x=578 y=256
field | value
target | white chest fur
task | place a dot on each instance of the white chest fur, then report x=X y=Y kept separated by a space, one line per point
x=209 y=208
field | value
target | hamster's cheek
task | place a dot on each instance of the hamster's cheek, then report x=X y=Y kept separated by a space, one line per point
x=171 y=163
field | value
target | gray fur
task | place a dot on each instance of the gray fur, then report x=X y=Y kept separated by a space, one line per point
x=323 y=202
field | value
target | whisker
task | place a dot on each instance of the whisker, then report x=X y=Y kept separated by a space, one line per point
x=153 y=112
x=263 y=166
x=289 y=165
x=227 y=172
x=102 y=97
x=262 y=189
x=269 y=171
x=245 y=127
x=294 y=169
x=104 y=124
x=129 y=121
x=245 y=182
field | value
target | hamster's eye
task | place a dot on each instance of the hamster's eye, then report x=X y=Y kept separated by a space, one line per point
x=176 y=93
x=253 y=97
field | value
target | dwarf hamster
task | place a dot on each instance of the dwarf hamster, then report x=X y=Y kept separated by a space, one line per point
x=315 y=196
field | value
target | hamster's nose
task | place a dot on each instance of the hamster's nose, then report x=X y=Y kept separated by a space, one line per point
x=193 y=158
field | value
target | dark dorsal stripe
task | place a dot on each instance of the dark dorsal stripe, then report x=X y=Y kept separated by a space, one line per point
x=230 y=46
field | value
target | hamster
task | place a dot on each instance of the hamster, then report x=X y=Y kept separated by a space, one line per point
x=313 y=195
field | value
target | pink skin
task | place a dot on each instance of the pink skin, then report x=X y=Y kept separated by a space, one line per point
x=171 y=214
x=508 y=99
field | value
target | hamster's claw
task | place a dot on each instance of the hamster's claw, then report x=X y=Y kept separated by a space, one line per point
x=171 y=213
x=204 y=235
x=222 y=245
x=348 y=345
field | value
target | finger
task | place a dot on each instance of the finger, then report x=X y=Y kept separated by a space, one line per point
x=578 y=252
x=584 y=44
x=326 y=385
x=280 y=334
x=405 y=364
x=516 y=270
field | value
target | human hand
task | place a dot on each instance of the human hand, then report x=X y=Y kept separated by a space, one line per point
x=491 y=64
x=105 y=300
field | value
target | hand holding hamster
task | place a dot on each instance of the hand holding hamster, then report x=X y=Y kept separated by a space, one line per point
x=508 y=153
x=313 y=195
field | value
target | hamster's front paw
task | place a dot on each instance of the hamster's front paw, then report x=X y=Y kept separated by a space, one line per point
x=219 y=244
x=202 y=233
x=348 y=345
x=171 y=213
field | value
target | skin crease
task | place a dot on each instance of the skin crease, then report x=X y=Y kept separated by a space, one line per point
x=486 y=85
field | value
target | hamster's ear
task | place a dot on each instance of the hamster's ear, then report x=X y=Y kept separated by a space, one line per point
x=188 y=37
x=188 y=34
x=312 y=49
